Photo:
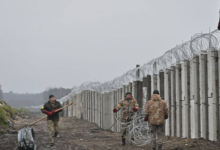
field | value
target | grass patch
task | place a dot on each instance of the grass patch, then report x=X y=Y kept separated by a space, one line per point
x=9 y=112
x=3 y=120
x=21 y=111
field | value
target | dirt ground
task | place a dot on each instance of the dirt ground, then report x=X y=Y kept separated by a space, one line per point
x=76 y=134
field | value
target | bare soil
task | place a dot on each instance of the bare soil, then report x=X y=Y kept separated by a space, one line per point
x=76 y=134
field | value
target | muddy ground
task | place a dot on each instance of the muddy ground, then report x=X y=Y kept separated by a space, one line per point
x=76 y=134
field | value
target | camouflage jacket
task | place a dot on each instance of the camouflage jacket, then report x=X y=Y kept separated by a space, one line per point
x=127 y=107
x=156 y=110
x=49 y=107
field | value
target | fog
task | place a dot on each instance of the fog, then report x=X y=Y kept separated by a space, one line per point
x=57 y=43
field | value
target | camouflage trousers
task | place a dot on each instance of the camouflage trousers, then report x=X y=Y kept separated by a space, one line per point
x=124 y=127
x=124 y=132
x=54 y=128
x=159 y=131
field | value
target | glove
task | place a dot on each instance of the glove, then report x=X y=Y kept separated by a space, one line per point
x=115 y=110
x=54 y=111
x=166 y=117
x=145 y=119
x=135 y=109
x=49 y=113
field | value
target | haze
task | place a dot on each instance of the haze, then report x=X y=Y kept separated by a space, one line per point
x=57 y=43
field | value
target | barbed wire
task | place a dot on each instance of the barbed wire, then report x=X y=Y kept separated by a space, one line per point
x=198 y=44
x=137 y=130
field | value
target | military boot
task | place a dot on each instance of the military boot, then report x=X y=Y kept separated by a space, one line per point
x=123 y=142
x=56 y=134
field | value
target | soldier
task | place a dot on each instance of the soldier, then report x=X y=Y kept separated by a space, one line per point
x=130 y=106
x=156 y=112
x=50 y=109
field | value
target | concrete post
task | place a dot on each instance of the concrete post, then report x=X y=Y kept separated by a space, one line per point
x=119 y=112
x=90 y=106
x=66 y=109
x=96 y=107
x=179 y=100
x=138 y=72
x=99 y=109
x=93 y=106
x=70 y=108
x=126 y=88
x=123 y=91
x=86 y=104
x=79 y=101
x=213 y=94
x=115 y=104
x=104 y=110
x=173 y=101
x=144 y=91
x=83 y=104
x=61 y=113
x=82 y=101
x=158 y=81
x=134 y=89
x=74 y=106
x=120 y=94
x=140 y=93
x=119 y=99
x=186 y=98
x=219 y=93
x=204 y=95
x=154 y=83
x=144 y=97
x=148 y=87
x=112 y=106
x=196 y=98
x=167 y=95
x=192 y=100
x=161 y=85
x=130 y=87
x=108 y=112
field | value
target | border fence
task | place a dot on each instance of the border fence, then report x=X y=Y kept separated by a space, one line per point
x=188 y=78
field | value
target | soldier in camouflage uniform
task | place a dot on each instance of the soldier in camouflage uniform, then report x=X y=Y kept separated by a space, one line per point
x=156 y=112
x=129 y=105
x=50 y=109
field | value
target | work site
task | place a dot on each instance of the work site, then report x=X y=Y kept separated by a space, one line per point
x=67 y=81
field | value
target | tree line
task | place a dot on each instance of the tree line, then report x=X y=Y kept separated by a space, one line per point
x=29 y=99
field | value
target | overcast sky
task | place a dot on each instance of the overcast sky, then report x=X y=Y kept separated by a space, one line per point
x=53 y=43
